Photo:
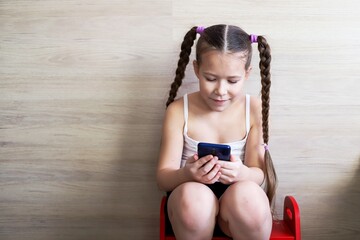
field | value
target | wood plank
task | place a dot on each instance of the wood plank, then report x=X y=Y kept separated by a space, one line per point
x=83 y=87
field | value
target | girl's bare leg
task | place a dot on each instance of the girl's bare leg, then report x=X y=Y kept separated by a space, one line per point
x=245 y=212
x=192 y=210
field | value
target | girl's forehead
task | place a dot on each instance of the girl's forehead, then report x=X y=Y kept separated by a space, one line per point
x=215 y=59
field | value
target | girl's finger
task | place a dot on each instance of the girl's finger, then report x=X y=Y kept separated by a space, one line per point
x=212 y=174
x=226 y=164
x=225 y=172
x=202 y=161
x=207 y=167
x=193 y=159
x=224 y=179
x=215 y=178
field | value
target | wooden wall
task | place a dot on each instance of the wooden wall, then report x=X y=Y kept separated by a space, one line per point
x=82 y=92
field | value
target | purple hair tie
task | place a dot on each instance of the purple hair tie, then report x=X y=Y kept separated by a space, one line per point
x=266 y=147
x=253 y=38
x=200 y=30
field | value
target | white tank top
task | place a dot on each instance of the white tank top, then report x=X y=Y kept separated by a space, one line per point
x=237 y=147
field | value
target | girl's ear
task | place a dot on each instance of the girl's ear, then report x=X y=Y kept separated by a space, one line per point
x=247 y=73
x=196 y=68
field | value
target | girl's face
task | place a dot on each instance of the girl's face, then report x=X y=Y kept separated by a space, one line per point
x=221 y=78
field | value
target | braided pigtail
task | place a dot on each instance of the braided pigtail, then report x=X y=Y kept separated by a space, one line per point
x=265 y=59
x=186 y=45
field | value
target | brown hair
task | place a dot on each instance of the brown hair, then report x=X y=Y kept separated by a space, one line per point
x=228 y=38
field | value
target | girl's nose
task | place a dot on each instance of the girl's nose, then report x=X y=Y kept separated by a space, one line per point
x=221 y=88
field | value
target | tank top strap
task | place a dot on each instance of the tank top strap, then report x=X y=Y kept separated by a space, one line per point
x=186 y=112
x=247 y=113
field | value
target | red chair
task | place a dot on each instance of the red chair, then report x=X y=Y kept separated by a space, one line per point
x=286 y=229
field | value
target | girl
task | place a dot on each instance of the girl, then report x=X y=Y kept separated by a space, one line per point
x=207 y=192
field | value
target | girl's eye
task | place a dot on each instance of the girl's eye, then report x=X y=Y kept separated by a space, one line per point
x=210 y=79
x=233 y=81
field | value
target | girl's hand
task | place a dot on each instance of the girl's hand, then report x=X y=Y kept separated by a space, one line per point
x=204 y=170
x=232 y=171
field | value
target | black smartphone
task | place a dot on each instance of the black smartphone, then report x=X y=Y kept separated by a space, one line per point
x=222 y=151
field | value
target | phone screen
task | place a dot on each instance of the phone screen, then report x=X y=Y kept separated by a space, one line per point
x=222 y=151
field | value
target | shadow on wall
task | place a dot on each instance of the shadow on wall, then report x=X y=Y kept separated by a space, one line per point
x=138 y=152
x=348 y=212
x=345 y=215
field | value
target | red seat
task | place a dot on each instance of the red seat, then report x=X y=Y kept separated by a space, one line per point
x=288 y=228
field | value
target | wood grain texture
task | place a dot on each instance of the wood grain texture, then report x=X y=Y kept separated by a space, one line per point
x=82 y=92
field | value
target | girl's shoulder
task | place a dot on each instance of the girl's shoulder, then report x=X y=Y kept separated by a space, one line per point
x=176 y=106
x=255 y=102
x=176 y=109
x=255 y=109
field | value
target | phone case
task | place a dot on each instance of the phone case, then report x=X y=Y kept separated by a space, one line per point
x=222 y=151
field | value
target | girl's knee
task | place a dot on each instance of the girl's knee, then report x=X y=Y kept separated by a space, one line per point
x=192 y=205
x=245 y=203
x=246 y=193
x=192 y=194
